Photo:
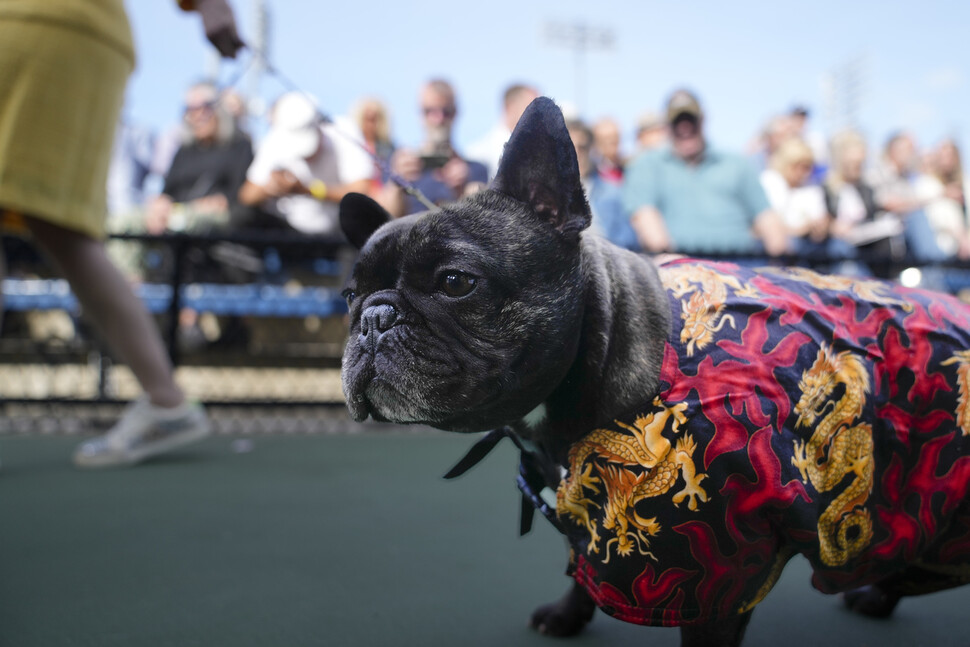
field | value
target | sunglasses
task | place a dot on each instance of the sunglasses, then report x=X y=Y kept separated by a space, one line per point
x=444 y=112
x=208 y=106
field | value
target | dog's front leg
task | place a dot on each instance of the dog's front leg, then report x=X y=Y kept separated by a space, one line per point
x=566 y=616
x=724 y=633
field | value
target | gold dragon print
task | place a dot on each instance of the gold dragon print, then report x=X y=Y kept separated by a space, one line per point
x=871 y=291
x=837 y=448
x=629 y=468
x=703 y=312
x=700 y=313
x=962 y=360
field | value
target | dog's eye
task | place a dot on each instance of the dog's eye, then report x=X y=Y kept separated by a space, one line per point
x=458 y=284
x=349 y=295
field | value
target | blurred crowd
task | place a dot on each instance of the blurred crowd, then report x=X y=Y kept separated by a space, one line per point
x=795 y=191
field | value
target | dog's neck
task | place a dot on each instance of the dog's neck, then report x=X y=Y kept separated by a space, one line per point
x=626 y=323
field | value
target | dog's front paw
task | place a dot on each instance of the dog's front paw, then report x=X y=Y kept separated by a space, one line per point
x=566 y=616
x=871 y=601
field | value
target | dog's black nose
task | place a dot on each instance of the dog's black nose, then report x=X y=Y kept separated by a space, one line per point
x=376 y=320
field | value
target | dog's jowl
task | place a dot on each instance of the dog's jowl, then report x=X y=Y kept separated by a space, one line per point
x=700 y=422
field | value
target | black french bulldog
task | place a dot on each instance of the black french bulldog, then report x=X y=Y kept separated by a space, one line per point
x=700 y=423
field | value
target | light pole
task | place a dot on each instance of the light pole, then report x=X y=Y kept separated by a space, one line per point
x=581 y=38
x=844 y=90
x=261 y=46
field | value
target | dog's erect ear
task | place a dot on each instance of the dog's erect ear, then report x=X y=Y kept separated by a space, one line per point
x=360 y=217
x=539 y=168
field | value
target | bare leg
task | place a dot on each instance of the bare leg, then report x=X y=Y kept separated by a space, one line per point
x=112 y=306
x=3 y=275
x=567 y=616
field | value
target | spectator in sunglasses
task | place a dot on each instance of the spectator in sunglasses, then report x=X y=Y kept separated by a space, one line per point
x=435 y=168
x=208 y=170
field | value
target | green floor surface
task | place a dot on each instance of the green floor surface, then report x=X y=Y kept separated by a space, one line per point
x=348 y=540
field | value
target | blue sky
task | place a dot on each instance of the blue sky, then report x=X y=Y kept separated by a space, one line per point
x=746 y=60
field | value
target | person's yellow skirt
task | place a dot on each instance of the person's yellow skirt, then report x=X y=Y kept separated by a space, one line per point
x=62 y=84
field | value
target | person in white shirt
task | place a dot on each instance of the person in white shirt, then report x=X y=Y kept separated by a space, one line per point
x=304 y=167
x=488 y=149
x=801 y=205
x=893 y=179
x=941 y=184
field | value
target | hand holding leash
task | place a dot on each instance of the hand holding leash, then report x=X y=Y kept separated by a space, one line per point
x=220 y=26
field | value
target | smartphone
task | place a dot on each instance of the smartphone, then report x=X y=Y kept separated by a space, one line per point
x=432 y=162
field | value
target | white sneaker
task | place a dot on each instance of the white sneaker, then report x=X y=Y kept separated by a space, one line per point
x=144 y=431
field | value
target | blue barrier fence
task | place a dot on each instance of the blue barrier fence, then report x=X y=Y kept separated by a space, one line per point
x=253 y=273
x=253 y=299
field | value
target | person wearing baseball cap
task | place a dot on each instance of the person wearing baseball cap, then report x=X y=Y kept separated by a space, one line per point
x=304 y=167
x=683 y=104
x=694 y=198
x=685 y=120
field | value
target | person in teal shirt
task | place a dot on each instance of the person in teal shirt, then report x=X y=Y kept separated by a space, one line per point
x=691 y=197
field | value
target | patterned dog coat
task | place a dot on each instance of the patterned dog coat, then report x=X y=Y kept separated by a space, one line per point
x=798 y=413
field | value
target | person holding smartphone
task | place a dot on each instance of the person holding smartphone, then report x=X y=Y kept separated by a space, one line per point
x=435 y=168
